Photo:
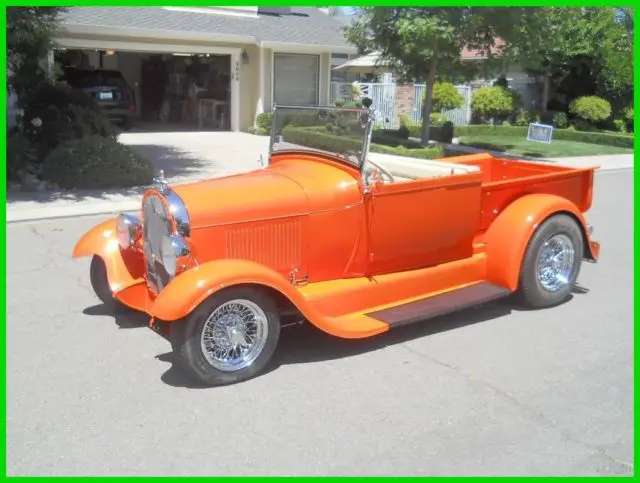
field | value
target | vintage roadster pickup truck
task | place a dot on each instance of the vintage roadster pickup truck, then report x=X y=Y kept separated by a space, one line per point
x=352 y=241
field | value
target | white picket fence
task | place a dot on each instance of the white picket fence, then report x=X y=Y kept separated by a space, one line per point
x=383 y=96
x=459 y=117
x=384 y=101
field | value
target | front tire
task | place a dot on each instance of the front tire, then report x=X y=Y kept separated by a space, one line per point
x=100 y=284
x=229 y=338
x=551 y=263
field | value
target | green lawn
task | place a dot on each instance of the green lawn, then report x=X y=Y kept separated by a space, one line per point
x=557 y=149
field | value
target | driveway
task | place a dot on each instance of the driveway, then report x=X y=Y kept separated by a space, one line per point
x=184 y=157
x=189 y=156
x=492 y=390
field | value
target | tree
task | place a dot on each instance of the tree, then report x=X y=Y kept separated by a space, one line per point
x=614 y=58
x=29 y=39
x=421 y=42
x=563 y=42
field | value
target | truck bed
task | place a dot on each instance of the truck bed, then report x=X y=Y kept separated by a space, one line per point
x=504 y=180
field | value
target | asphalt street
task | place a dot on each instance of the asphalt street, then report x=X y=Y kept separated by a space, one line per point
x=488 y=391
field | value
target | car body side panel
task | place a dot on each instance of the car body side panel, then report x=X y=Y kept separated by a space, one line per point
x=423 y=223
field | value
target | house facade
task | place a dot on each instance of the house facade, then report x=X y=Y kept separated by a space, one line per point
x=241 y=59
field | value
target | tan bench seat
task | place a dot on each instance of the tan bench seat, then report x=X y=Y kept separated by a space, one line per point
x=404 y=168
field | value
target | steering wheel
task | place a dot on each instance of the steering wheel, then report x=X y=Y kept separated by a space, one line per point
x=383 y=171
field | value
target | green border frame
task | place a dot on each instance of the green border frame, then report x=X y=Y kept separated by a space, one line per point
x=3 y=187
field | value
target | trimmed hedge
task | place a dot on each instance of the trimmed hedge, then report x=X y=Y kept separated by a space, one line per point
x=314 y=138
x=441 y=134
x=622 y=141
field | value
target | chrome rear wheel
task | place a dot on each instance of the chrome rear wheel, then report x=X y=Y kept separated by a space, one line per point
x=556 y=263
x=552 y=262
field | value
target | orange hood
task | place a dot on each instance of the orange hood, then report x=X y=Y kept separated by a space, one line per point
x=289 y=187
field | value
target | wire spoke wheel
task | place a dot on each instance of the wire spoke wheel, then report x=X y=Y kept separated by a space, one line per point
x=234 y=335
x=555 y=263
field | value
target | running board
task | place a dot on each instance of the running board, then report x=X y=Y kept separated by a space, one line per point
x=441 y=304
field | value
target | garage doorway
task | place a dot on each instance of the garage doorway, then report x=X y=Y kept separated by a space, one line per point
x=171 y=91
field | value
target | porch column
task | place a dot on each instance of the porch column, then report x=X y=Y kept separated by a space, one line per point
x=235 y=91
x=261 y=67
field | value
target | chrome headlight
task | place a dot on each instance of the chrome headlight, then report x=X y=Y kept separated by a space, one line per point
x=179 y=213
x=173 y=247
x=129 y=230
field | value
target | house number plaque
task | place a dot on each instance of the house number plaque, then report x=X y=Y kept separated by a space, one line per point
x=237 y=71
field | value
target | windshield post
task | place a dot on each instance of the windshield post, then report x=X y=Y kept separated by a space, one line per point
x=272 y=134
x=368 y=131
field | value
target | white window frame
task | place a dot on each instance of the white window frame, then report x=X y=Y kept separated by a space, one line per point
x=274 y=55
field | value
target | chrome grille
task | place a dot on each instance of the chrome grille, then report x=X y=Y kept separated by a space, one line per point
x=157 y=225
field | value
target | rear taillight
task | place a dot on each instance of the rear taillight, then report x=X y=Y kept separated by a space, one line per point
x=131 y=107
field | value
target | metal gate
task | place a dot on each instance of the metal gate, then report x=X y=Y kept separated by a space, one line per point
x=382 y=95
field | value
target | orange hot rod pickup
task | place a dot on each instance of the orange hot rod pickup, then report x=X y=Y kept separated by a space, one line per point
x=354 y=242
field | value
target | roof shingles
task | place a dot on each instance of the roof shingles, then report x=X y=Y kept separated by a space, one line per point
x=304 y=25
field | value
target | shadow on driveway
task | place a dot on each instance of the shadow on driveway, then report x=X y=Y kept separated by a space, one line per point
x=179 y=167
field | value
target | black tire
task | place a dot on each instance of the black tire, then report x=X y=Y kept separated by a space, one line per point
x=531 y=292
x=186 y=338
x=100 y=284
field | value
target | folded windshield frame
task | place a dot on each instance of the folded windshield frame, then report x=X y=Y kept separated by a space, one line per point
x=366 y=138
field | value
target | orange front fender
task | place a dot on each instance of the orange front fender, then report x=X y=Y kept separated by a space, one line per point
x=124 y=269
x=180 y=297
x=509 y=234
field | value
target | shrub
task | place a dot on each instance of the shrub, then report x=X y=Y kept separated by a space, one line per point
x=493 y=102
x=446 y=96
x=620 y=125
x=628 y=117
x=405 y=120
x=582 y=125
x=264 y=120
x=95 y=162
x=317 y=139
x=524 y=118
x=438 y=119
x=259 y=131
x=57 y=113
x=20 y=154
x=555 y=118
x=339 y=102
x=590 y=108
x=353 y=104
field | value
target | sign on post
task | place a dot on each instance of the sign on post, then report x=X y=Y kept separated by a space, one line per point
x=540 y=133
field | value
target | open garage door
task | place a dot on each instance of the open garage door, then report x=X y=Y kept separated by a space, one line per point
x=159 y=85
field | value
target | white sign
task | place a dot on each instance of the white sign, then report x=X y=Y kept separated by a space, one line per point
x=540 y=133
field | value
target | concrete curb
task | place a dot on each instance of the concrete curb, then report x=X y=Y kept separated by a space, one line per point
x=89 y=209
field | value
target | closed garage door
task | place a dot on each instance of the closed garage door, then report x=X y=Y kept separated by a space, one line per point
x=296 y=79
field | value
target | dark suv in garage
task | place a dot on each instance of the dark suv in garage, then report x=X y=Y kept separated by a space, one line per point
x=109 y=90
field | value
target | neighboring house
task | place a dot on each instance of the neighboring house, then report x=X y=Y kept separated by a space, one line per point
x=262 y=55
x=518 y=80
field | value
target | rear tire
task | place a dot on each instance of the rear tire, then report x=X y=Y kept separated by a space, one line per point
x=551 y=263
x=228 y=338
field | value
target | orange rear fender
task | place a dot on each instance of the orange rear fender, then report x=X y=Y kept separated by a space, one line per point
x=123 y=269
x=509 y=234
x=189 y=289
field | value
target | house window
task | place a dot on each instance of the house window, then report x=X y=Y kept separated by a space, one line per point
x=296 y=79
